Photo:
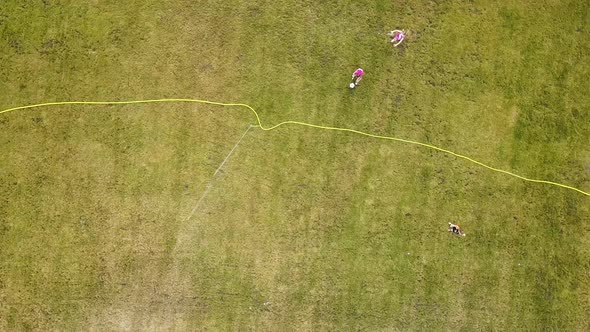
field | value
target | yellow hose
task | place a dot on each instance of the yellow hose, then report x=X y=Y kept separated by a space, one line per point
x=174 y=100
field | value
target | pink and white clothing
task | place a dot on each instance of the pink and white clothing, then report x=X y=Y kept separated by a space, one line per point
x=399 y=36
x=357 y=76
x=358 y=73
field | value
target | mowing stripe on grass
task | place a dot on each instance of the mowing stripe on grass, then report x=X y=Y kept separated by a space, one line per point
x=175 y=100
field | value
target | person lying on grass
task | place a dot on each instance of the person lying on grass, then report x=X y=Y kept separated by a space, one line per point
x=455 y=229
x=397 y=37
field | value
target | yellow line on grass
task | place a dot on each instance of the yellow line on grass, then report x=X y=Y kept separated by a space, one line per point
x=176 y=100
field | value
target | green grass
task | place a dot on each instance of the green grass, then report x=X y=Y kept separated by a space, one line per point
x=302 y=229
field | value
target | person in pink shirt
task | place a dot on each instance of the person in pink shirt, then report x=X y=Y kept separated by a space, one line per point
x=397 y=36
x=357 y=76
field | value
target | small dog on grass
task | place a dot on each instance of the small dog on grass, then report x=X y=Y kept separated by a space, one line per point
x=455 y=229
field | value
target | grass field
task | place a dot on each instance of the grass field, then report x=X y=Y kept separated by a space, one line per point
x=120 y=217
